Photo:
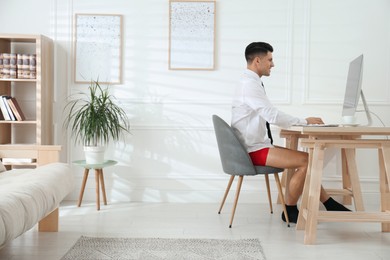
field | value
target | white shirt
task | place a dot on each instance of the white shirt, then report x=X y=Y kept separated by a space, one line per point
x=251 y=109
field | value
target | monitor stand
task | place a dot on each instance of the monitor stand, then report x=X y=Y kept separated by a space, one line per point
x=368 y=114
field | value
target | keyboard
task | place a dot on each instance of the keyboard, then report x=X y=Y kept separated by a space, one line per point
x=323 y=125
x=320 y=125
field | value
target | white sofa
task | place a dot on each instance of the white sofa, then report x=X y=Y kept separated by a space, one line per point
x=31 y=196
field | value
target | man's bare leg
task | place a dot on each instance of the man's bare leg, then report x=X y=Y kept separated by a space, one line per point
x=292 y=159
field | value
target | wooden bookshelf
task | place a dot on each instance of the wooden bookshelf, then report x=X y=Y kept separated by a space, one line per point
x=35 y=96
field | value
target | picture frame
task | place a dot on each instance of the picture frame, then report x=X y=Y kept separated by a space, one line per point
x=98 y=48
x=192 y=34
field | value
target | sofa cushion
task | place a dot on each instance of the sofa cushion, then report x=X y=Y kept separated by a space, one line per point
x=28 y=195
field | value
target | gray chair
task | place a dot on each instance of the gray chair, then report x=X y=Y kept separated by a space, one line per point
x=237 y=162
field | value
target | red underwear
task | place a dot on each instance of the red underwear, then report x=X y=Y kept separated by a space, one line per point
x=259 y=157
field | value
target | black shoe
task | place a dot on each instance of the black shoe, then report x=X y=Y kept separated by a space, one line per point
x=292 y=212
x=332 y=205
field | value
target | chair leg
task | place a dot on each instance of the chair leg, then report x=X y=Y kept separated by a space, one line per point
x=269 y=193
x=281 y=197
x=240 y=179
x=226 y=193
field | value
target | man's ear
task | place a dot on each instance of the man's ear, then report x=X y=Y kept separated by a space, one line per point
x=258 y=59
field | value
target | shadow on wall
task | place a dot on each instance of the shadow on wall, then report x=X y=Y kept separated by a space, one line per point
x=161 y=162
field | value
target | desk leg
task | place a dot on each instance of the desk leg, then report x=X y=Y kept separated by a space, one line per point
x=314 y=194
x=86 y=171
x=345 y=177
x=384 y=164
x=354 y=178
x=97 y=189
x=305 y=194
x=103 y=186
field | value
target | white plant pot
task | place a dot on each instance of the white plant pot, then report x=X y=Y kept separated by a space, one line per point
x=94 y=154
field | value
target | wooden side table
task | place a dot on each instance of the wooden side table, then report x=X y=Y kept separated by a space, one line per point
x=99 y=179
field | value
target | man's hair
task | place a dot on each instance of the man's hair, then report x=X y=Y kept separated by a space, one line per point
x=255 y=49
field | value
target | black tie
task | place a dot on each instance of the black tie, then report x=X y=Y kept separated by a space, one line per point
x=269 y=132
x=268 y=127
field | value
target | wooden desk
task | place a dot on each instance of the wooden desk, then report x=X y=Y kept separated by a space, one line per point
x=348 y=139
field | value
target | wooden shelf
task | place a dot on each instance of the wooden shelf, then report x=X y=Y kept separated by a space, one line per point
x=35 y=101
x=19 y=80
x=19 y=37
x=18 y=122
x=20 y=164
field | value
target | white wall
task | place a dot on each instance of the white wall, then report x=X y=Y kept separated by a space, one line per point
x=171 y=154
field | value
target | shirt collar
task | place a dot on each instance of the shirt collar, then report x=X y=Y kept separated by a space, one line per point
x=251 y=74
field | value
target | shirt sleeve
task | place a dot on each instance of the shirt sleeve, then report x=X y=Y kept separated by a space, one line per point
x=257 y=99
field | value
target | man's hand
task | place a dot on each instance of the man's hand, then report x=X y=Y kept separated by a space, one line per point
x=314 y=121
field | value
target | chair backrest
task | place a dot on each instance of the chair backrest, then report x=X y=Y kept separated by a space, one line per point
x=234 y=157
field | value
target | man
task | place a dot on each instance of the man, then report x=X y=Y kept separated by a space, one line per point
x=252 y=112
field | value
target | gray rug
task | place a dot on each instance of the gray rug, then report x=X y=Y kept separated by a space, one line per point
x=162 y=248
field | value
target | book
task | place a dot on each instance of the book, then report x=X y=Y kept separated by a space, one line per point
x=4 y=109
x=8 y=108
x=14 y=105
x=33 y=66
x=26 y=66
x=19 y=66
x=1 y=115
x=6 y=65
x=13 y=65
x=1 y=65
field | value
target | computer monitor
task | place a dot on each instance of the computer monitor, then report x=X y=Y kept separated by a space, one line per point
x=353 y=90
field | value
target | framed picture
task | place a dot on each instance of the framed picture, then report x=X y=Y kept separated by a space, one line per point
x=191 y=34
x=98 y=48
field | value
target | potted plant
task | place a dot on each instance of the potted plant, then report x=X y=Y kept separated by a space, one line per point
x=94 y=119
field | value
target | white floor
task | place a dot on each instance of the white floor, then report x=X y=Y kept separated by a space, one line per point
x=357 y=241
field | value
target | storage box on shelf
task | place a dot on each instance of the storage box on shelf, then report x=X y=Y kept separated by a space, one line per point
x=33 y=95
